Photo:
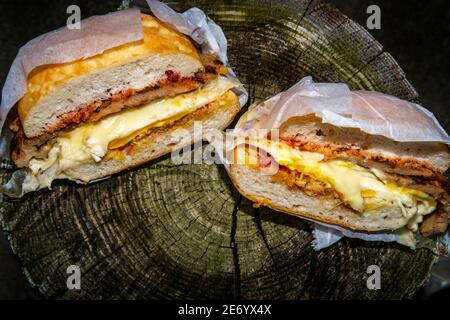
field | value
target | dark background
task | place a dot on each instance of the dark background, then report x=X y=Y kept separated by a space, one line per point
x=416 y=33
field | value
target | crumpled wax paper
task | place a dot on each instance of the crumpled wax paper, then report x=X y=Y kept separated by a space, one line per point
x=377 y=114
x=203 y=30
x=325 y=235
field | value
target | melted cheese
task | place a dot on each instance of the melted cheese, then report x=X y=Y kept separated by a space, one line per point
x=120 y=142
x=92 y=140
x=355 y=184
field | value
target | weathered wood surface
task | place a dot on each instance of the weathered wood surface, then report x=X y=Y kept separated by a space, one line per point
x=182 y=231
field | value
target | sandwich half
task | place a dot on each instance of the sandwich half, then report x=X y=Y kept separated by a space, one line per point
x=90 y=118
x=344 y=176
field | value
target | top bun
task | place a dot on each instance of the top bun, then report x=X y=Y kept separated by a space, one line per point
x=57 y=89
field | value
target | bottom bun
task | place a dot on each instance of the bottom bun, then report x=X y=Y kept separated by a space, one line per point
x=262 y=189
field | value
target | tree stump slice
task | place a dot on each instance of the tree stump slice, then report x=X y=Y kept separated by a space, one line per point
x=182 y=231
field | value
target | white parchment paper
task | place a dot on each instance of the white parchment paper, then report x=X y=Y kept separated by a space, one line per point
x=372 y=112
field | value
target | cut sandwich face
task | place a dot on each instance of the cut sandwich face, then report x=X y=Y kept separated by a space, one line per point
x=60 y=97
x=95 y=141
x=335 y=191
